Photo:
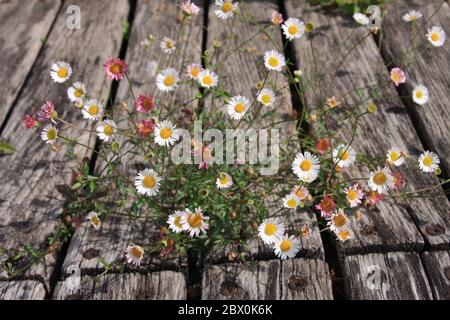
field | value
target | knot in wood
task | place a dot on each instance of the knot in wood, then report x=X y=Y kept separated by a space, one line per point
x=366 y=230
x=447 y=273
x=434 y=230
x=297 y=283
x=91 y=253
x=230 y=288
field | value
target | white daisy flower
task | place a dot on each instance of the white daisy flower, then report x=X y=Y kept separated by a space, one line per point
x=237 y=107
x=354 y=195
x=381 y=181
x=147 y=182
x=167 y=80
x=195 y=223
x=291 y=201
x=395 y=156
x=306 y=166
x=61 y=72
x=362 y=19
x=95 y=220
x=411 y=16
x=92 y=110
x=436 y=36
x=344 y=156
x=226 y=8
x=224 y=181
x=266 y=97
x=208 y=79
x=168 y=45
x=106 y=130
x=49 y=134
x=134 y=255
x=271 y=230
x=421 y=95
x=338 y=220
x=344 y=234
x=287 y=247
x=175 y=221
x=429 y=161
x=293 y=28
x=301 y=192
x=193 y=71
x=77 y=92
x=274 y=61
x=166 y=134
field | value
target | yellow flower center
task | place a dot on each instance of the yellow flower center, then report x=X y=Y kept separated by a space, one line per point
x=223 y=179
x=344 y=234
x=273 y=62
x=299 y=193
x=394 y=156
x=194 y=72
x=285 y=245
x=166 y=133
x=93 y=110
x=380 y=178
x=265 y=99
x=427 y=161
x=208 y=80
x=293 y=30
x=395 y=77
x=419 y=94
x=352 y=194
x=270 y=229
x=239 y=107
x=345 y=155
x=195 y=220
x=169 y=81
x=177 y=222
x=115 y=69
x=63 y=72
x=169 y=44
x=78 y=93
x=95 y=220
x=51 y=134
x=136 y=252
x=339 y=220
x=306 y=165
x=149 y=182
x=227 y=7
x=108 y=130
x=434 y=36
x=291 y=203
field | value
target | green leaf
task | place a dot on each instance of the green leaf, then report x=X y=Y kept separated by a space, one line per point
x=6 y=147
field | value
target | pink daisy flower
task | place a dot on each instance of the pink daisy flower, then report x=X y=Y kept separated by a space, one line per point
x=144 y=103
x=398 y=76
x=326 y=206
x=204 y=154
x=399 y=181
x=374 y=197
x=277 y=18
x=47 y=112
x=189 y=8
x=29 y=122
x=115 y=68
x=146 y=128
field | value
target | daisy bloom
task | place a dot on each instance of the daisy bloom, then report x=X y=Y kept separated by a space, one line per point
x=323 y=145
x=61 y=72
x=354 y=195
x=92 y=110
x=208 y=79
x=224 y=181
x=411 y=16
x=287 y=247
x=47 y=112
x=398 y=76
x=168 y=45
x=134 y=255
x=306 y=166
x=333 y=102
x=374 y=197
x=301 y=192
x=77 y=92
x=274 y=61
x=421 y=95
x=226 y=8
x=29 y=122
x=436 y=36
x=338 y=220
x=167 y=80
x=95 y=220
x=115 y=68
x=395 y=156
x=266 y=97
x=106 y=130
x=195 y=223
x=166 y=134
x=361 y=19
x=291 y=201
x=271 y=230
x=429 y=161
x=237 y=107
x=381 y=180
x=326 y=206
x=293 y=28
x=175 y=221
x=399 y=181
x=146 y=127
x=344 y=156
x=193 y=70
x=305 y=231
x=203 y=154
x=147 y=182
x=144 y=103
x=277 y=18
x=49 y=134
x=189 y=8
x=344 y=234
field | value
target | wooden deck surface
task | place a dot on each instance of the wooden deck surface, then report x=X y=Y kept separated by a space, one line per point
x=400 y=251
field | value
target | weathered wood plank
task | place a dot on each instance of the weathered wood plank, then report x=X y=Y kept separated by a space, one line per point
x=165 y=285
x=390 y=226
x=25 y=26
x=430 y=67
x=119 y=230
x=296 y=279
x=437 y=266
x=22 y=290
x=391 y=276
x=31 y=205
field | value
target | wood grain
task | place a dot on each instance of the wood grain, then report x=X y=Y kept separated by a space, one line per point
x=437 y=267
x=22 y=290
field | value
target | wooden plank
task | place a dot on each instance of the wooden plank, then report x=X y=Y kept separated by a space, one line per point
x=31 y=205
x=120 y=230
x=22 y=290
x=296 y=279
x=391 y=276
x=165 y=285
x=25 y=26
x=437 y=266
x=391 y=225
x=430 y=67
